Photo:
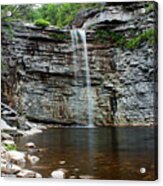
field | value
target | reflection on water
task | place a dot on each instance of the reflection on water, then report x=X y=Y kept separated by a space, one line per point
x=103 y=153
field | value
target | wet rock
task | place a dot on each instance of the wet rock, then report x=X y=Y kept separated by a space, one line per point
x=58 y=174
x=6 y=127
x=8 y=175
x=16 y=157
x=9 y=143
x=9 y=168
x=62 y=162
x=21 y=122
x=30 y=145
x=5 y=109
x=24 y=173
x=72 y=177
x=38 y=175
x=19 y=133
x=32 y=131
x=24 y=127
x=6 y=136
x=30 y=124
x=86 y=177
x=76 y=169
x=32 y=159
x=33 y=150
x=3 y=152
x=41 y=127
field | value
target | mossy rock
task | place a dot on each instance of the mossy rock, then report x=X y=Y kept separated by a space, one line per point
x=42 y=23
x=10 y=147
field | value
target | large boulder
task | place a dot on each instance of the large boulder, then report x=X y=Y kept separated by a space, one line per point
x=10 y=168
x=16 y=157
x=5 y=126
x=32 y=159
x=5 y=136
x=24 y=173
x=58 y=174
x=8 y=143
x=30 y=145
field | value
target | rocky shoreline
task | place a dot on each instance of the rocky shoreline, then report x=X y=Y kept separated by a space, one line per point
x=14 y=161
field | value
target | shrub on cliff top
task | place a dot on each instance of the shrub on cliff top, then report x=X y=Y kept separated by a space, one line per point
x=41 y=23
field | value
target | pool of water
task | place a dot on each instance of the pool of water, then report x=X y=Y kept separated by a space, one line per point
x=100 y=153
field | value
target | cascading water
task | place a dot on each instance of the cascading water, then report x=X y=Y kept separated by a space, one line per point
x=74 y=38
x=77 y=34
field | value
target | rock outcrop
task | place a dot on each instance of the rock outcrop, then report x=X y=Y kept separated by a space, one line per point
x=38 y=76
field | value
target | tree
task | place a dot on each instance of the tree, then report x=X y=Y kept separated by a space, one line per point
x=57 y=14
x=18 y=12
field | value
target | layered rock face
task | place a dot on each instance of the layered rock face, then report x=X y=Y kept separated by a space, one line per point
x=39 y=74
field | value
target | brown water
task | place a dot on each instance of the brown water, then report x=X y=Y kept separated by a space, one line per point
x=102 y=153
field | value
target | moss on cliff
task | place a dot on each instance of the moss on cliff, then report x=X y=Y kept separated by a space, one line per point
x=60 y=36
x=105 y=36
x=41 y=23
x=150 y=6
x=146 y=36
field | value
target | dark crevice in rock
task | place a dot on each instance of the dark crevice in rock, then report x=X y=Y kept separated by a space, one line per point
x=50 y=121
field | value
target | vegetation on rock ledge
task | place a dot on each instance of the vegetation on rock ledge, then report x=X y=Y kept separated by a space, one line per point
x=103 y=36
x=59 y=15
x=41 y=23
x=146 y=36
x=10 y=147
x=60 y=36
x=149 y=7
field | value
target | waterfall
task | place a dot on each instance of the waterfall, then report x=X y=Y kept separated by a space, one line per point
x=88 y=79
x=77 y=34
x=74 y=38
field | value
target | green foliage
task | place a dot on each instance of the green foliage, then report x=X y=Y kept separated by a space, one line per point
x=59 y=15
x=3 y=65
x=10 y=147
x=149 y=7
x=104 y=36
x=41 y=23
x=147 y=36
x=63 y=14
x=11 y=13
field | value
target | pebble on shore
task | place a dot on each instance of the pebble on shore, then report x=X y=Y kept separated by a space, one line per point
x=58 y=174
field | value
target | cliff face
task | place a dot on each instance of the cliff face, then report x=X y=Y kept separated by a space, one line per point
x=38 y=76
